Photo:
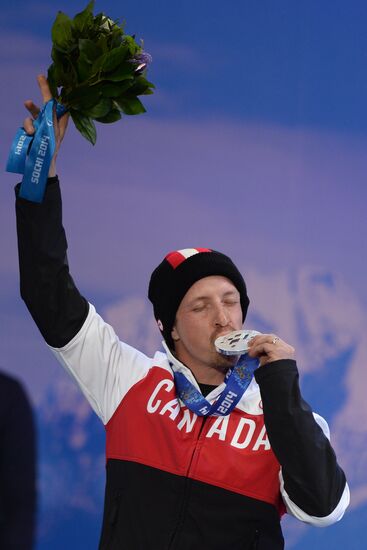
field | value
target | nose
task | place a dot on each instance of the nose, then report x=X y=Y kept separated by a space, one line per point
x=221 y=316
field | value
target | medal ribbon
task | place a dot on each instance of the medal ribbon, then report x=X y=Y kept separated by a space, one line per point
x=32 y=155
x=237 y=381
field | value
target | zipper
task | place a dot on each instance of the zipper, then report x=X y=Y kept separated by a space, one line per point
x=255 y=542
x=198 y=445
x=186 y=488
x=112 y=519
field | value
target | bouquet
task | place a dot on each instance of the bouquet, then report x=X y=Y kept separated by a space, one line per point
x=98 y=71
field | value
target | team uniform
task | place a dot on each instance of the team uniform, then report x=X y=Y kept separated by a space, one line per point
x=176 y=480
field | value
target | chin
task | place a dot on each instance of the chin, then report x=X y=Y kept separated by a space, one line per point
x=226 y=360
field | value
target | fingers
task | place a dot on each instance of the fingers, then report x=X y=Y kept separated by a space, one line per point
x=44 y=87
x=46 y=96
x=268 y=348
x=28 y=122
x=263 y=339
x=258 y=349
x=60 y=125
x=28 y=125
x=32 y=108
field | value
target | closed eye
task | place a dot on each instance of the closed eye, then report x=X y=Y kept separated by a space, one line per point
x=199 y=307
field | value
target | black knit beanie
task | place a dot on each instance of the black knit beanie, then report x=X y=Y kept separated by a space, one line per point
x=178 y=272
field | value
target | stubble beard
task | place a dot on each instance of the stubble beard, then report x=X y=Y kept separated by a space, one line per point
x=222 y=362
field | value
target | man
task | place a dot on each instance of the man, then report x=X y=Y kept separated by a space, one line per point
x=178 y=478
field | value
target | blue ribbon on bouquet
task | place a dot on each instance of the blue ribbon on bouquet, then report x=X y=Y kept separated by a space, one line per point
x=238 y=378
x=32 y=155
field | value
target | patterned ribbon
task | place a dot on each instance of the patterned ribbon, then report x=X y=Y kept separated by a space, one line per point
x=32 y=155
x=237 y=380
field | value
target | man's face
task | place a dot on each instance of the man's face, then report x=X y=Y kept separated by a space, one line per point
x=210 y=308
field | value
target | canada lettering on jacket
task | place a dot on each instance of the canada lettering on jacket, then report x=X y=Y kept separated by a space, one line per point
x=244 y=436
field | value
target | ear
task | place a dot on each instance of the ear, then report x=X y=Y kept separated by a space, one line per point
x=174 y=334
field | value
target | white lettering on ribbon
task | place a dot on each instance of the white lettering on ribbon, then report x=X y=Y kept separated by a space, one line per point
x=19 y=145
x=40 y=159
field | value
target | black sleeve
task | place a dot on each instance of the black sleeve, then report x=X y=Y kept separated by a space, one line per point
x=17 y=467
x=312 y=477
x=45 y=282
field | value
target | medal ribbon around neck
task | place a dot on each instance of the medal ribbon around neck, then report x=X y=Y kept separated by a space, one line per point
x=32 y=155
x=238 y=379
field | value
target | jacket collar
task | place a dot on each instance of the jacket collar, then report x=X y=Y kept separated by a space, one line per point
x=177 y=366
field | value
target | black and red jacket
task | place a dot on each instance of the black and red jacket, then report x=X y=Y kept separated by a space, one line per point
x=174 y=480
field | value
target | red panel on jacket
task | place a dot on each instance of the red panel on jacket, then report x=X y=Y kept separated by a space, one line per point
x=232 y=452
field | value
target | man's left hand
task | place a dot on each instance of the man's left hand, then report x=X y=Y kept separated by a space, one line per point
x=269 y=347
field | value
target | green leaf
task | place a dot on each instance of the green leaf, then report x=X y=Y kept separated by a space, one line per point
x=122 y=72
x=52 y=80
x=112 y=116
x=114 y=58
x=84 y=97
x=131 y=44
x=83 y=69
x=57 y=56
x=61 y=77
x=130 y=105
x=64 y=70
x=89 y=49
x=62 y=31
x=88 y=9
x=69 y=75
x=97 y=65
x=84 y=20
x=115 y=37
x=110 y=89
x=102 y=43
x=141 y=86
x=85 y=126
x=100 y=109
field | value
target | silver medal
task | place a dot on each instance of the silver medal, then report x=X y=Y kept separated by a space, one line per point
x=235 y=343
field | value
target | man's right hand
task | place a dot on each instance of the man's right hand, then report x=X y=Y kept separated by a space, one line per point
x=60 y=124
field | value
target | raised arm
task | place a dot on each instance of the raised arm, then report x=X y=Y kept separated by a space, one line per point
x=46 y=285
x=86 y=346
x=45 y=282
